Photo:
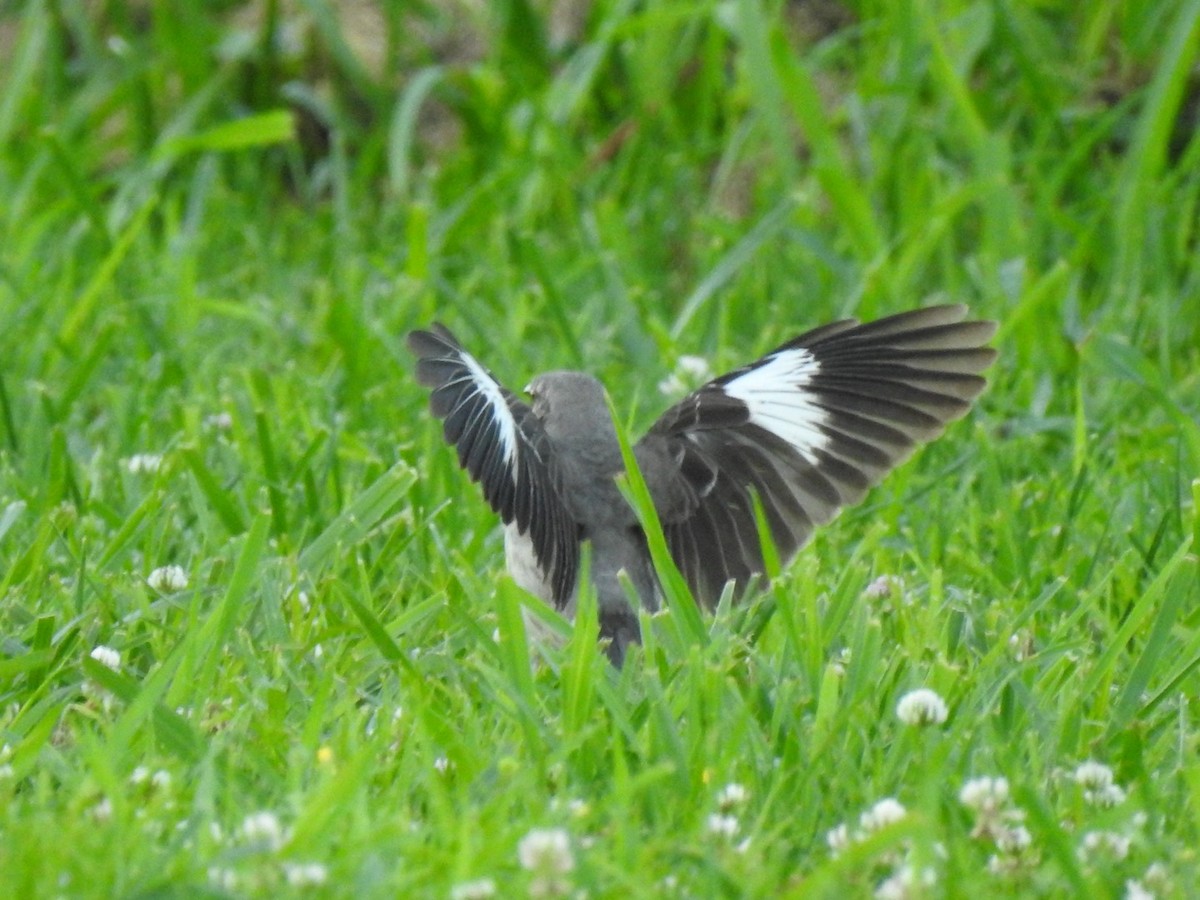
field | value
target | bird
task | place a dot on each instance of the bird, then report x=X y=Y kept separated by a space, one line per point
x=807 y=428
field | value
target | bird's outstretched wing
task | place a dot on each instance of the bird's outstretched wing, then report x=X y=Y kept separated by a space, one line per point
x=810 y=428
x=503 y=446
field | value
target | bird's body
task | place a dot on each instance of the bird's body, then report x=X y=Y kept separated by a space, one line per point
x=574 y=410
x=809 y=428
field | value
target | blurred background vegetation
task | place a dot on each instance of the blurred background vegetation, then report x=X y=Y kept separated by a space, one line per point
x=970 y=149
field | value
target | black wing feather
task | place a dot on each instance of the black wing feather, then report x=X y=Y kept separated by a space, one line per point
x=501 y=445
x=810 y=427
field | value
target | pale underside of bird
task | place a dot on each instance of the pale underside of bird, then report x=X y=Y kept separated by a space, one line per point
x=809 y=428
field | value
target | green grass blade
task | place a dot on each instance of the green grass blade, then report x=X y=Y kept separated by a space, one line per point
x=144 y=704
x=675 y=589
x=20 y=71
x=275 y=126
x=375 y=631
x=363 y=514
x=217 y=630
x=579 y=672
x=223 y=505
x=768 y=227
x=514 y=644
x=1145 y=606
x=89 y=297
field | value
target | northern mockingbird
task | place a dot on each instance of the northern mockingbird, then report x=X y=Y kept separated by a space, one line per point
x=809 y=427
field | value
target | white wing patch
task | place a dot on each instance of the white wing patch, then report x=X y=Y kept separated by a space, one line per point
x=777 y=394
x=506 y=427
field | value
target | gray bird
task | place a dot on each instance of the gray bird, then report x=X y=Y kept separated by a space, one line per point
x=809 y=428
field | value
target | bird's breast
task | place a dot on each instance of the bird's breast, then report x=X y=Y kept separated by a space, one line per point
x=521 y=561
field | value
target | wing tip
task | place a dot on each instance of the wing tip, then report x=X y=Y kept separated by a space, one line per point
x=431 y=341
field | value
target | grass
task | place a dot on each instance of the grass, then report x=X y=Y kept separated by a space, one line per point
x=218 y=221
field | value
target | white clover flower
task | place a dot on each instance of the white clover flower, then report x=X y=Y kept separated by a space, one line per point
x=881 y=587
x=1105 y=842
x=1014 y=840
x=838 y=839
x=546 y=851
x=988 y=798
x=841 y=661
x=892 y=888
x=106 y=656
x=984 y=794
x=886 y=812
x=906 y=882
x=264 y=828
x=721 y=825
x=1099 y=789
x=922 y=707
x=479 y=889
x=1001 y=864
x=732 y=796
x=672 y=386
x=139 y=775
x=695 y=366
x=1093 y=775
x=168 y=578
x=161 y=779
x=443 y=765
x=103 y=810
x=1135 y=890
x=1020 y=644
x=1157 y=876
x=144 y=463
x=690 y=372
x=305 y=874
x=222 y=878
x=1113 y=795
x=6 y=771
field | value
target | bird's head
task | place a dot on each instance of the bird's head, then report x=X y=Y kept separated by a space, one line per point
x=568 y=402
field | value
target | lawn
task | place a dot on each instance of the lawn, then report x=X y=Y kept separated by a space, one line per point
x=256 y=638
